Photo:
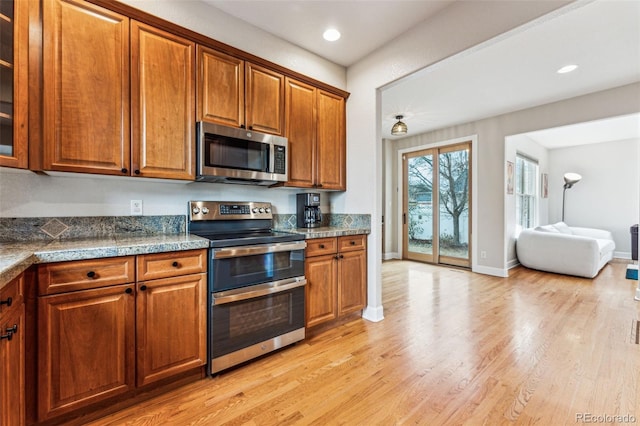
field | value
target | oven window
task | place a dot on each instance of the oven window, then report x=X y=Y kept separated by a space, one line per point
x=221 y=151
x=234 y=272
x=249 y=317
x=240 y=324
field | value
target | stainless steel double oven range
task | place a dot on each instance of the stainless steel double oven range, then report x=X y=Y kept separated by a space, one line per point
x=256 y=281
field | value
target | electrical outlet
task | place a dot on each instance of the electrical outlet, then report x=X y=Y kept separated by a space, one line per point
x=136 y=207
x=483 y=254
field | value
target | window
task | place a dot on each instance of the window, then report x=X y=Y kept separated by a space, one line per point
x=526 y=189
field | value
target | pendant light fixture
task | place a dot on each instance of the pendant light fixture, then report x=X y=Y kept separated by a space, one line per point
x=399 y=128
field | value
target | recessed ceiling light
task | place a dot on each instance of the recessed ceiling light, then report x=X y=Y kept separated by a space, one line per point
x=567 y=68
x=331 y=34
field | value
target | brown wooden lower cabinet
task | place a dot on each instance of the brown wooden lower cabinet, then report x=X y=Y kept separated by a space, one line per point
x=86 y=348
x=12 y=353
x=100 y=343
x=171 y=328
x=336 y=272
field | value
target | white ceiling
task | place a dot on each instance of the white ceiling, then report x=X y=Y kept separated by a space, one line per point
x=365 y=25
x=615 y=129
x=515 y=71
x=519 y=70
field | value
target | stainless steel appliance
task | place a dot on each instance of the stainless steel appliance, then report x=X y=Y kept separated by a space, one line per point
x=256 y=281
x=308 y=214
x=232 y=155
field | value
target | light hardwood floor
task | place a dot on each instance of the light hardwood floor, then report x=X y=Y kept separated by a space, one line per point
x=454 y=348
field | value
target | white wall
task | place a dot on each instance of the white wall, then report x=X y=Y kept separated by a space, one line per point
x=26 y=194
x=606 y=197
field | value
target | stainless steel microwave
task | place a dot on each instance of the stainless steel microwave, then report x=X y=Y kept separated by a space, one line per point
x=231 y=155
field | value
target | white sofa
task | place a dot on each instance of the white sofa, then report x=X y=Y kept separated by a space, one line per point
x=565 y=250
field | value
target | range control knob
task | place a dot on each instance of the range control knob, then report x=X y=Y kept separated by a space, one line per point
x=261 y=210
x=255 y=210
x=267 y=210
x=205 y=210
x=196 y=210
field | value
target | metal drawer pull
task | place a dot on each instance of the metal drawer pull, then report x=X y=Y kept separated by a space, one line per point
x=10 y=332
x=91 y=274
x=175 y=264
x=7 y=302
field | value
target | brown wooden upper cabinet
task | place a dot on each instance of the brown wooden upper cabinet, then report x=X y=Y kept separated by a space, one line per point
x=14 y=50
x=162 y=104
x=98 y=116
x=238 y=93
x=315 y=127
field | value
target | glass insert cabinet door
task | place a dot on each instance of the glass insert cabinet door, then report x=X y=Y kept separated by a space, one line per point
x=437 y=197
x=13 y=82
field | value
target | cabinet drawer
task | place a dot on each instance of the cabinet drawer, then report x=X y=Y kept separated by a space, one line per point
x=321 y=246
x=14 y=291
x=75 y=275
x=165 y=265
x=352 y=242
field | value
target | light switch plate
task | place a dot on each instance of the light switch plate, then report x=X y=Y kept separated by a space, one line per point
x=136 y=207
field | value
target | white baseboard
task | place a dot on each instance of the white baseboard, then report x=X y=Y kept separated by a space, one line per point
x=512 y=263
x=373 y=313
x=487 y=270
x=391 y=255
x=622 y=255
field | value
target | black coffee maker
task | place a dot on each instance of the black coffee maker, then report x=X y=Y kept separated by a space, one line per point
x=308 y=210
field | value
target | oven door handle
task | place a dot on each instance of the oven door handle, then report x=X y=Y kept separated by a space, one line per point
x=221 y=253
x=257 y=290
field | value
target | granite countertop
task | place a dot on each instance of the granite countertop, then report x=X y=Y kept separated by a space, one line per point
x=16 y=257
x=327 y=231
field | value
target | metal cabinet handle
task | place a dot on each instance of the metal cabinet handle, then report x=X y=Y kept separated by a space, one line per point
x=143 y=287
x=175 y=264
x=10 y=332
x=7 y=302
x=91 y=274
x=353 y=243
x=321 y=245
x=129 y=290
x=123 y=170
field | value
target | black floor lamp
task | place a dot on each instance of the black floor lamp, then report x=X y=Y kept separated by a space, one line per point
x=569 y=180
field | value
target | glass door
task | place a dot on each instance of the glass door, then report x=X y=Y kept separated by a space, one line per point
x=418 y=219
x=437 y=196
x=454 y=201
